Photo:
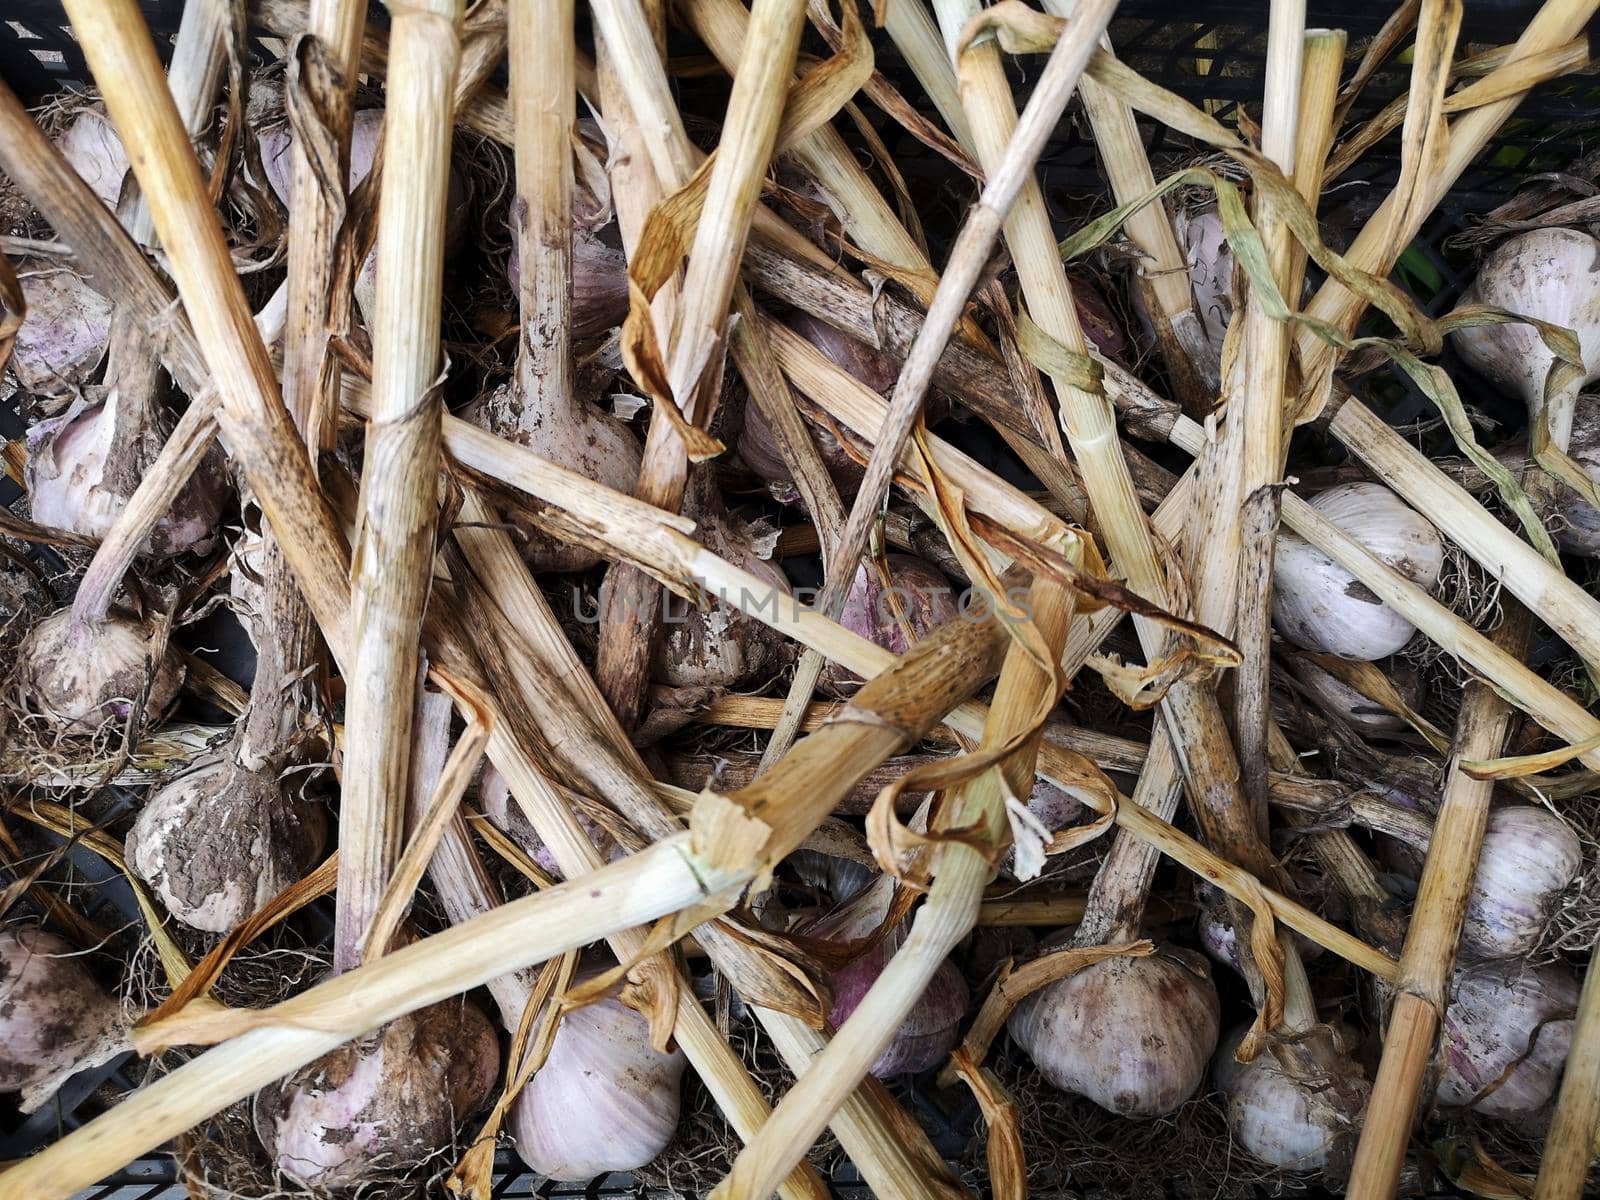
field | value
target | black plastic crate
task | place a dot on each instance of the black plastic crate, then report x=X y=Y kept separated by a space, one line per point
x=1205 y=50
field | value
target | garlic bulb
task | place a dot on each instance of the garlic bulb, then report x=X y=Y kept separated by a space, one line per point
x=378 y=1106
x=1283 y=1122
x=605 y=1099
x=932 y=1027
x=1552 y=274
x=917 y=590
x=1505 y=1036
x=221 y=840
x=90 y=143
x=1132 y=1034
x=55 y=1020
x=1318 y=605
x=1341 y=701
x=76 y=676
x=599 y=282
x=64 y=335
x=1529 y=858
x=85 y=464
x=717 y=646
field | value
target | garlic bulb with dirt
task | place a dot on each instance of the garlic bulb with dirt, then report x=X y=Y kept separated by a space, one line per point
x=1285 y=1122
x=63 y=337
x=1345 y=704
x=916 y=591
x=604 y=1100
x=379 y=1106
x=1318 y=605
x=1132 y=1034
x=932 y=1027
x=599 y=283
x=1505 y=1036
x=717 y=646
x=77 y=675
x=55 y=1020
x=221 y=840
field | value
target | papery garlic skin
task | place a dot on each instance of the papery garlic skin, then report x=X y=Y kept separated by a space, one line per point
x=1132 y=1034
x=605 y=1099
x=91 y=145
x=220 y=841
x=77 y=677
x=1281 y=1121
x=1505 y=1036
x=64 y=335
x=378 y=1106
x=1318 y=605
x=55 y=1020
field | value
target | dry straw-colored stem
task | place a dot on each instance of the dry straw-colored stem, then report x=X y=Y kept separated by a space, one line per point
x=697 y=343
x=1423 y=983
x=393 y=553
x=1569 y=1147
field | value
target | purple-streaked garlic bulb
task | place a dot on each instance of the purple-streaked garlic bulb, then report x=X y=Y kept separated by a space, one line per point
x=64 y=335
x=1285 y=1122
x=1529 y=858
x=758 y=446
x=605 y=1100
x=1342 y=702
x=1505 y=1036
x=1100 y=324
x=221 y=840
x=932 y=1027
x=1318 y=605
x=376 y=1107
x=717 y=646
x=916 y=589
x=84 y=465
x=1132 y=1034
x=1220 y=939
x=55 y=1020
x=76 y=675
x=90 y=143
x=599 y=283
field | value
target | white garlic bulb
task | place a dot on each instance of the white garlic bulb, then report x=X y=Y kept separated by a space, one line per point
x=1551 y=274
x=1529 y=857
x=376 y=1107
x=1505 y=1036
x=605 y=1099
x=1286 y=1123
x=1132 y=1034
x=55 y=1020
x=1318 y=605
x=96 y=153
x=221 y=840
x=77 y=675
